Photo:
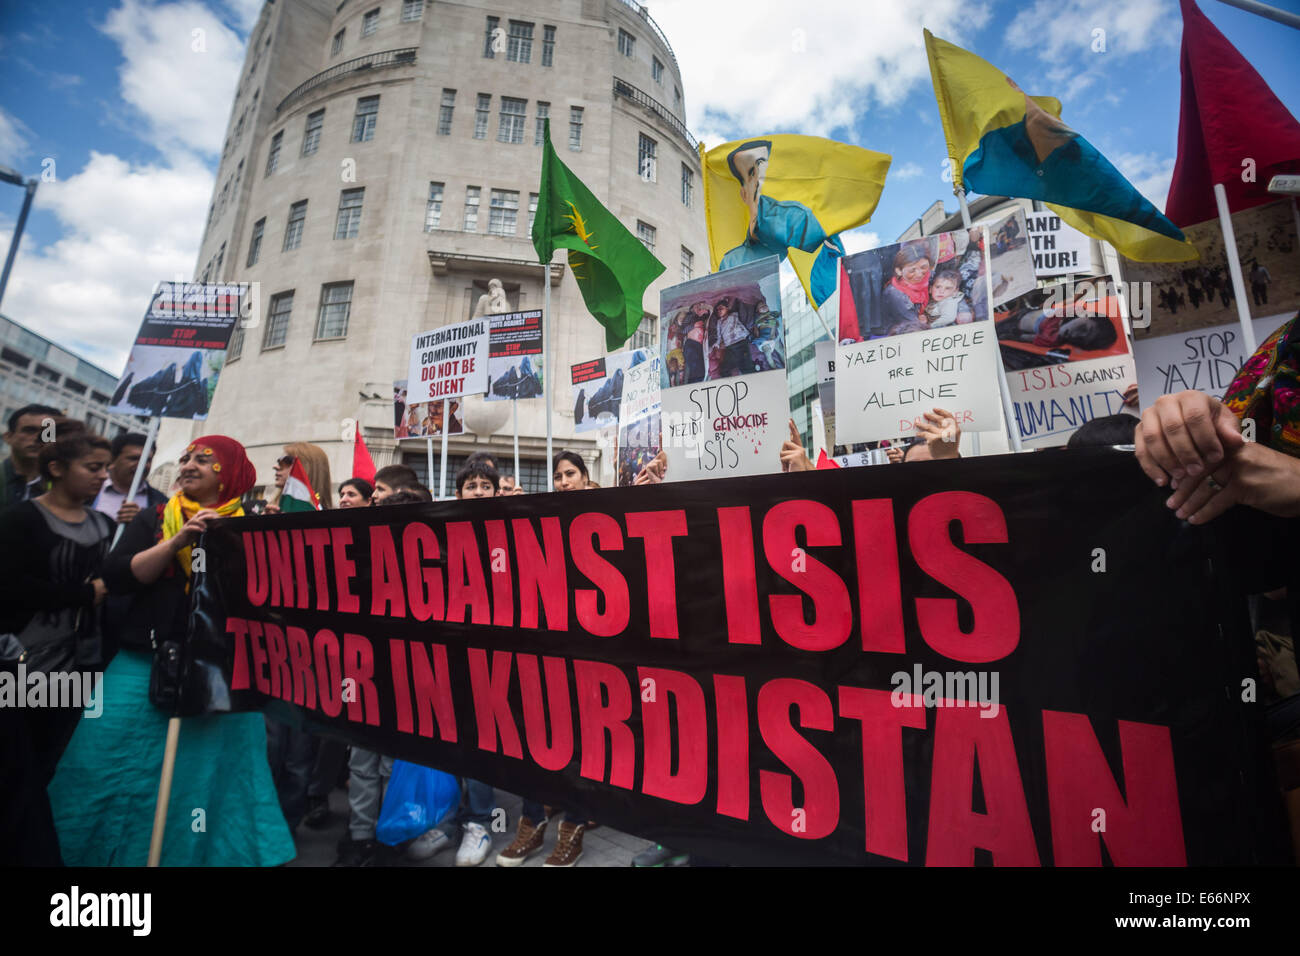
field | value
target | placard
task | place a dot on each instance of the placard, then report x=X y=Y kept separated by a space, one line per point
x=1056 y=247
x=598 y=388
x=515 y=356
x=449 y=361
x=639 y=420
x=423 y=419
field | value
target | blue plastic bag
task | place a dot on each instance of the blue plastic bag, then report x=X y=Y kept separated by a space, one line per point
x=417 y=800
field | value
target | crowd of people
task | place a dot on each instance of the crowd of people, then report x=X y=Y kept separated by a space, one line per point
x=95 y=579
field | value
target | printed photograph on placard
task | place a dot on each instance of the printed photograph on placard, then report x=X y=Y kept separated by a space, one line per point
x=1012 y=260
x=515 y=356
x=167 y=381
x=721 y=325
x=422 y=420
x=637 y=445
x=1184 y=296
x=1067 y=322
x=598 y=388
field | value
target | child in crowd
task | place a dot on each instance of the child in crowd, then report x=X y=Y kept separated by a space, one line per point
x=947 y=305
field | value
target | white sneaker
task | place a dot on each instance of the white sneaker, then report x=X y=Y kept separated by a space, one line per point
x=474 y=846
x=427 y=844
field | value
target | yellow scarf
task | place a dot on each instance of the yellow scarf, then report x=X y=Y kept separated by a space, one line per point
x=179 y=510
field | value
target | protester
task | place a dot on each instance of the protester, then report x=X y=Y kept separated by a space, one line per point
x=393 y=478
x=52 y=548
x=104 y=792
x=507 y=485
x=314 y=462
x=1105 y=430
x=355 y=493
x=111 y=500
x=21 y=471
x=937 y=437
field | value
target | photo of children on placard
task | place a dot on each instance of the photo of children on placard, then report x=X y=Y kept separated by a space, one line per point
x=722 y=325
x=1067 y=322
x=422 y=421
x=638 y=445
x=933 y=283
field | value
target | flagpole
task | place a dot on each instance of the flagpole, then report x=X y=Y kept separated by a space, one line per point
x=1234 y=267
x=428 y=468
x=515 y=403
x=442 y=466
x=965 y=221
x=138 y=478
x=548 y=343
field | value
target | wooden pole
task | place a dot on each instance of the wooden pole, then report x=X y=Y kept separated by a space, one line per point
x=164 y=790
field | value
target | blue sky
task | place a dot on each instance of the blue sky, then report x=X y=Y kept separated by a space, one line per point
x=133 y=117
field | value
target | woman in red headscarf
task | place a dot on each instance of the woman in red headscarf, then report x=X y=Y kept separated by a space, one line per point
x=223 y=810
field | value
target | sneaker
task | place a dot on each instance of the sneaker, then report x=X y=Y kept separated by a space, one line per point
x=658 y=855
x=318 y=813
x=427 y=844
x=568 y=847
x=474 y=845
x=528 y=840
x=357 y=853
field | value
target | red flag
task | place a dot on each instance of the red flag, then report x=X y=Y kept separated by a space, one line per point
x=363 y=466
x=824 y=462
x=1229 y=115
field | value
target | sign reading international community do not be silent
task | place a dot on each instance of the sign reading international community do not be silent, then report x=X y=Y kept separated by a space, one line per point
x=449 y=362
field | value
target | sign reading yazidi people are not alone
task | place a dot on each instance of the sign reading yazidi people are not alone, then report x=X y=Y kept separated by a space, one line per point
x=915 y=332
x=449 y=362
x=725 y=403
x=180 y=350
x=939 y=675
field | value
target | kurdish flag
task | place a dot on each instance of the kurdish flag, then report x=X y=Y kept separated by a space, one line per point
x=1003 y=142
x=612 y=267
x=298 y=494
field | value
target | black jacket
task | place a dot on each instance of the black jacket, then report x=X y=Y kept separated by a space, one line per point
x=138 y=613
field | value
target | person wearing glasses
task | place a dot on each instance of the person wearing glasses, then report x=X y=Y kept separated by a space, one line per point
x=314 y=461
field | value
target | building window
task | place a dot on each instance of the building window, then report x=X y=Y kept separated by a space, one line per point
x=471 y=208
x=646 y=335
x=236 y=345
x=492 y=39
x=221 y=258
x=511 y=128
x=255 y=244
x=335 y=306
x=239 y=126
x=311 y=135
x=656 y=70
x=349 y=220
x=575 y=128
x=277 y=321
x=239 y=175
x=337 y=46
x=363 y=124
x=647 y=149
x=532 y=211
x=646 y=233
x=548 y=45
x=370 y=22
x=481 y=114
x=273 y=157
x=502 y=212
x=519 y=49
x=677 y=99
x=688 y=264
x=412 y=10
x=433 y=211
x=626 y=43
x=543 y=113
x=293 y=229
x=444 y=112
x=688 y=185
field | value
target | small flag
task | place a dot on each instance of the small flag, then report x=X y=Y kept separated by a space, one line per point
x=297 y=494
x=363 y=466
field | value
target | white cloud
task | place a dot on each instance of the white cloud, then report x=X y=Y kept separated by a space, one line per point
x=13 y=138
x=1149 y=174
x=246 y=12
x=907 y=171
x=860 y=240
x=768 y=66
x=181 y=67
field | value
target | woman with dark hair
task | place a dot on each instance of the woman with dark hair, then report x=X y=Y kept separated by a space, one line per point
x=51 y=550
x=104 y=792
x=569 y=472
x=355 y=493
x=907 y=293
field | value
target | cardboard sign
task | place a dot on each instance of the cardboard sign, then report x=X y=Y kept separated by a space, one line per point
x=1056 y=247
x=449 y=362
x=734 y=426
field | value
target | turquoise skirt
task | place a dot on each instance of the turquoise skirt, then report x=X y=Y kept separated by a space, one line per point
x=223 y=810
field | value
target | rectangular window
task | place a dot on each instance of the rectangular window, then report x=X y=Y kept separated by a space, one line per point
x=363 y=124
x=349 y=220
x=519 y=48
x=532 y=211
x=646 y=153
x=492 y=39
x=548 y=45
x=236 y=345
x=646 y=335
x=370 y=22
x=239 y=126
x=575 y=128
x=255 y=244
x=626 y=43
x=412 y=10
x=239 y=175
x=471 y=208
x=433 y=211
x=311 y=135
x=543 y=112
x=511 y=128
x=277 y=320
x=502 y=212
x=335 y=306
x=688 y=264
x=337 y=45
x=656 y=70
x=293 y=229
x=646 y=233
x=221 y=258
x=444 y=112
x=273 y=156
x=482 y=113
x=688 y=185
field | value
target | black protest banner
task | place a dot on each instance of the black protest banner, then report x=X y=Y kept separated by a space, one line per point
x=1018 y=659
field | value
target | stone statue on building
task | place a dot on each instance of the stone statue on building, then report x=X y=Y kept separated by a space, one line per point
x=494 y=301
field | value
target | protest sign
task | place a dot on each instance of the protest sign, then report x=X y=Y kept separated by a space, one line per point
x=598 y=388
x=179 y=352
x=639 y=420
x=449 y=362
x=913 y=664
x=423 y=419
x=514 y=356
x=1056 y=247
x=732 y=426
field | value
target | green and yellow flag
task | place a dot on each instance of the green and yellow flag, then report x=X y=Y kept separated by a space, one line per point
x=612 y=267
